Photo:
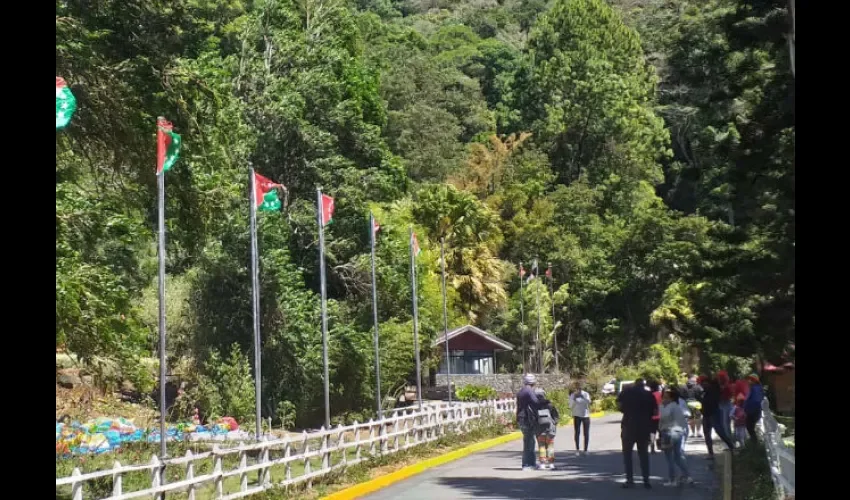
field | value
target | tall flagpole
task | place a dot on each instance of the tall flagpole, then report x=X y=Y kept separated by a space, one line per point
x=554 y=330
x=375 y=318
x=320 y=215
x=537 y=347
x=446 y=320
x=415 y=320
x=525 y=366
x=255 y=285
x=160 y=188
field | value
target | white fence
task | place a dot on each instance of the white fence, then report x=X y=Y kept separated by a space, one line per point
x=780 y=457
x=292 y=460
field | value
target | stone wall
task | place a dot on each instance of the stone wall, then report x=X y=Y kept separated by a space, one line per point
x=506 y=383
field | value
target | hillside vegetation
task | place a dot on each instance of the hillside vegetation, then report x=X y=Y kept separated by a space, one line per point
x=643 y=147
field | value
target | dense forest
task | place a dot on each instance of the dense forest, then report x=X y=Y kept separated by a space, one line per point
x=643 y=147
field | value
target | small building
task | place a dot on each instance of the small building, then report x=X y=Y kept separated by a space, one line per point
x=472 y=351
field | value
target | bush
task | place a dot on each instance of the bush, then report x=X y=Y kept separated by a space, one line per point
x=608 y=403
x=560 y=399
x=475 y=393
x=226 y=388
x=751 y=478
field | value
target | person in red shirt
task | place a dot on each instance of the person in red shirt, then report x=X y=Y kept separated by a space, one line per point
x=655 y=388
x=727 y=392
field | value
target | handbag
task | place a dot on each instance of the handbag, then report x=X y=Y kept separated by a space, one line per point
x=664 y=441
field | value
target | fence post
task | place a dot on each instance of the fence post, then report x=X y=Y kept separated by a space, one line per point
x=325 y=448
x=157 y=473
x=372 y=445
x=76 y=488
x=266 y=472
x=190 y=473
x=117 y=478
x=357 y=444
x=243 y=463
x=308 y=468
x=219 y=479
x=287 y=452
x=340 y=444
x=382 y=436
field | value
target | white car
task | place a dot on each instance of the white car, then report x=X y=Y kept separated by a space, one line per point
x=610 y=387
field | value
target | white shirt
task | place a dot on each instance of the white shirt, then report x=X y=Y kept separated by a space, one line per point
x=672 y=417
x=580 y=404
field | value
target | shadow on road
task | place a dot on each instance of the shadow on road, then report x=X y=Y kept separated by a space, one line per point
x=596 y=476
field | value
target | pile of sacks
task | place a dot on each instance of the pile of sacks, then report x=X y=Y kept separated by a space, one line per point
x=104 y=434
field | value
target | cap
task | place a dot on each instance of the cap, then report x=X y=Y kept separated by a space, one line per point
x=529 y=379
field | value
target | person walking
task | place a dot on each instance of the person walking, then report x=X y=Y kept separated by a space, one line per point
x=692 y=394
x=672 y=426
x=727 y=393
x=655 y=389
x=546 y=428
x=638 y=406
x=752 y=405
x=580 y=408
x=739 y=420
x=526 y=417
x=712 y=417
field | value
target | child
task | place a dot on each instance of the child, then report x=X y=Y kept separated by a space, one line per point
x=739 y=416
x=547 y=425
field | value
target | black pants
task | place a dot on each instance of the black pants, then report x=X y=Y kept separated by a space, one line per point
x=710 y=422
x=752 y=420
x=630 y=438
x=578 y=423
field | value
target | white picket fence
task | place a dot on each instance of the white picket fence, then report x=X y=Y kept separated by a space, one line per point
x=300 y=460
x=780 y=457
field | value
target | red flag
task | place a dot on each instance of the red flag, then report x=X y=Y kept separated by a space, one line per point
x=327 y=209
x=375 y=226
x=163 y=140
x=521 y=271
x=416 y=248
x=549 y=271
x=262 y=186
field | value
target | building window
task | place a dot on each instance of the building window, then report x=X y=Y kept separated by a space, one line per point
x=469 y=362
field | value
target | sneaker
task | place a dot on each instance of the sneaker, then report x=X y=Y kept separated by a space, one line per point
x=542 y=467
x=688 y=481
x=669 y=483
x=551 y=467
x=527 y=467
x=584 y=453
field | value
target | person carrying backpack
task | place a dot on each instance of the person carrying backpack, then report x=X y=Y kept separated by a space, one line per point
x=526 y=416
x=547 y=426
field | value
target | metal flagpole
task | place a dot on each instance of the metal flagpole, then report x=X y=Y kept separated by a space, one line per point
x=320 y=216
x=554 y=330
x=415 y=320
x=375 y=319
x=255 y=285
x=537 y=347
x=446 y=320
x=525 y=366
x=160 y=188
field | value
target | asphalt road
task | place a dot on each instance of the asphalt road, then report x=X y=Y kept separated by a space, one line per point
x=496 y=473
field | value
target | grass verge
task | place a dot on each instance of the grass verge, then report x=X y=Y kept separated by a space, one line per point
x=751 y=474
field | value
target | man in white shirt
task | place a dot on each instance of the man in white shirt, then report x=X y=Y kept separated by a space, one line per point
x=580 y=407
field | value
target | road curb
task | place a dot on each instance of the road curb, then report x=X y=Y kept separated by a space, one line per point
x=378 y=483
x=597 y=414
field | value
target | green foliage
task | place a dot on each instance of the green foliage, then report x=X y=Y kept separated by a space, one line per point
x=227 y=387
x=560 y=399
x=645 y=150
x=473 y=392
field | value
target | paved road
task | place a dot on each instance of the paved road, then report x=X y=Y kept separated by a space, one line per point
x=496 y=473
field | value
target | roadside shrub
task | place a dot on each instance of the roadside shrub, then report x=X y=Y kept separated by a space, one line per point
x=608 y=403
x=560 y=399
x=475 y=393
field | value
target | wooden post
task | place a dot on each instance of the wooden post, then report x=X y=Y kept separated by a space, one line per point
x=190 y=473
x=76 y=488
x=287 y=452
x=117 y=478
x=243 y=463
x=219 y=479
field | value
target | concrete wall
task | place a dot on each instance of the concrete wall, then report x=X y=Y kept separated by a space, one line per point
x=506 y=383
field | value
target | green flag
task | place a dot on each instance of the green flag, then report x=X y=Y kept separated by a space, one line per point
x=66 y=103
x=167 y=145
